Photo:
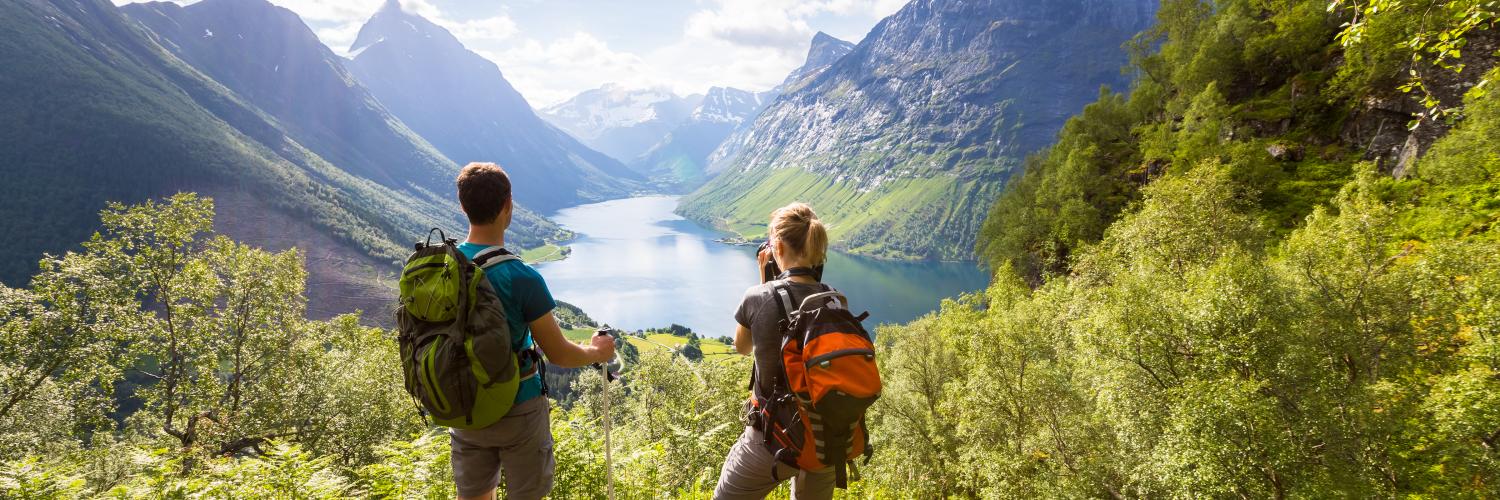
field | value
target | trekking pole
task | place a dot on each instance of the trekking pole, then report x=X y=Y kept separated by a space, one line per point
x=609 y=462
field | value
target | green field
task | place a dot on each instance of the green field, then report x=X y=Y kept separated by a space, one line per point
x=662 y=341
x=546 y=253
x=656 y=342
x=578 y=334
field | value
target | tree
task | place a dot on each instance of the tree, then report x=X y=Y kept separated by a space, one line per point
x=693 y=349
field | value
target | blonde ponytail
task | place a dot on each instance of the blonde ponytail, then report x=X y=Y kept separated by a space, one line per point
x=802 y=231
x=816 y=248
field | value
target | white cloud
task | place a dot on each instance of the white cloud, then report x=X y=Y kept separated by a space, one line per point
x=748 y=44
x=488 y=29
x=540 y=69
x=751 y=23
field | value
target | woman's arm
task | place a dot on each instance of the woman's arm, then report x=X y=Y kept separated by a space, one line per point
x=742 y=343
x=566 y=354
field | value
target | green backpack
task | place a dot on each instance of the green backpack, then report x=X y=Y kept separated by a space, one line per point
x=455 y=341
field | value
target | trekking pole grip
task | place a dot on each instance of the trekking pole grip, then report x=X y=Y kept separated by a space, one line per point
x=610 y=332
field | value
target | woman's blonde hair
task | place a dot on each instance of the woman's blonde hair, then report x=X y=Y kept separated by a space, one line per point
x=799 y=227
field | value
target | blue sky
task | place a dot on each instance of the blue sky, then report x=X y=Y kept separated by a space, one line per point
x=553 y=49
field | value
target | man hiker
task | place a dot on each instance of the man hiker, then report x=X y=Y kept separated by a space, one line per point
x=520 y=444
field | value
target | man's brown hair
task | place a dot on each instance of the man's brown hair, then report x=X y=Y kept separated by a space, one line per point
x=483 y=189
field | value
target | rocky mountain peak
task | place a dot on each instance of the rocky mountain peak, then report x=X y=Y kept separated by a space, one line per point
x=728 y=104
x=824 y=50
x=392 y=22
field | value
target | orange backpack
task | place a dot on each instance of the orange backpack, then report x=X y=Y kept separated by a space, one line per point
x=827 y=381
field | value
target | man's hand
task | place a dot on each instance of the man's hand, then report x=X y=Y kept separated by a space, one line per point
x=564 y=353
x=603 y=347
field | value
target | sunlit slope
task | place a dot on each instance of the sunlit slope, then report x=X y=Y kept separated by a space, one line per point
x=906 y=140
x=902 y=218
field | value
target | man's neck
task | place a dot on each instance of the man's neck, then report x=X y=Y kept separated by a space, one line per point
x=487 y=235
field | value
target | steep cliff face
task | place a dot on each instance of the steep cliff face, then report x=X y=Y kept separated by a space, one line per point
x=822 y=53
x=904 y=143
x=462 y=103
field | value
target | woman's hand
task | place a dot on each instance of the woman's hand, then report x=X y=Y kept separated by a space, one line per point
x=761 y=259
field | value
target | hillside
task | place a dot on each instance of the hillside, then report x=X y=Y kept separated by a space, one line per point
x=697 y=147
x=1290 y=115
x=269 y=58
x=1265 y=272
x=96 y=111
x=463 y=105
x=903 y=144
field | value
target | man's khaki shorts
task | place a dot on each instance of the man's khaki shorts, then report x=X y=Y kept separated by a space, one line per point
x=520 y=445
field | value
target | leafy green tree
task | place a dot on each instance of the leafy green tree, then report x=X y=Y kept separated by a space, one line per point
x=693 y=349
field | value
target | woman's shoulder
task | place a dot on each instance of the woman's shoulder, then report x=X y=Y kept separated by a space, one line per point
x=759 y=291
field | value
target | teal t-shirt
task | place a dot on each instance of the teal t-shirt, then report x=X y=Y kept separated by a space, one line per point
x=526 y=298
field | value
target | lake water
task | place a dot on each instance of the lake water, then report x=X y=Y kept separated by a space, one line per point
x=637 y=265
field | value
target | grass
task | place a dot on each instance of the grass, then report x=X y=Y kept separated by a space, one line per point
x=663 y=341
x=656 y=342
x=548 y=252
x=578 y=334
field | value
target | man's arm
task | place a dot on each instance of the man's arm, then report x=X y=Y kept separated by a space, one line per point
x=566 y=354
x=742 y=342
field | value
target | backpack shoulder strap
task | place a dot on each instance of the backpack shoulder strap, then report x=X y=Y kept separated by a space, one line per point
x=784 y=302
x=491 y=256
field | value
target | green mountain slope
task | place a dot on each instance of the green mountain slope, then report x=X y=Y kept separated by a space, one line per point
x=1270 y=94
x=94 y=110
x=267 y=56
x=911 y=135
x=1267 y=272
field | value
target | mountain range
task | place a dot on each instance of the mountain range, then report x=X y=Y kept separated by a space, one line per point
x=622 y=122
x=903 y=144
x=678 y=160
x=463 y=104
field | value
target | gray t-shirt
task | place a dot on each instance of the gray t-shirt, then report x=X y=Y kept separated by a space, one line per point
x=758 y=312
